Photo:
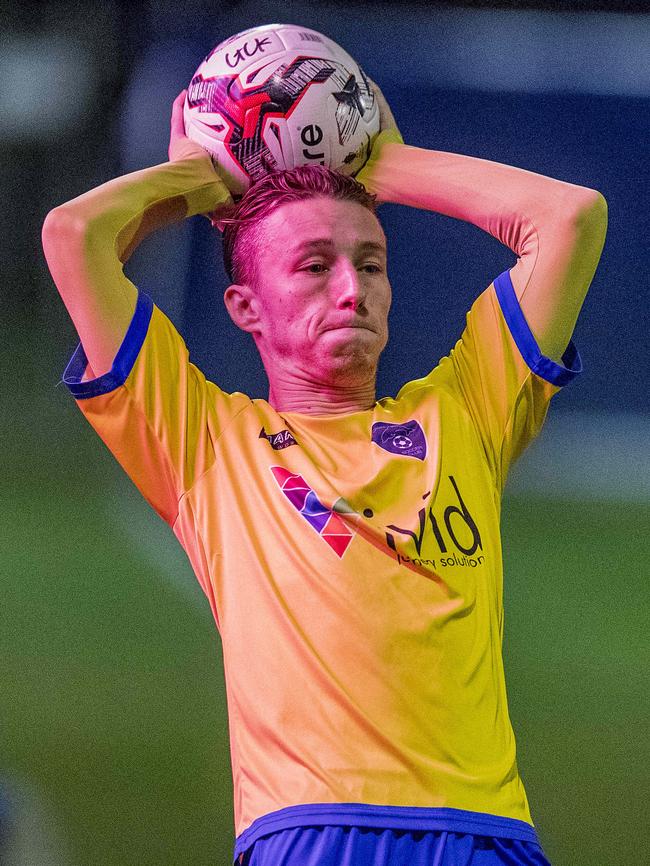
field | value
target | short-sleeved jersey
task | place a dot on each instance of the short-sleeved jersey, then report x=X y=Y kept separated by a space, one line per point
x=353 y=566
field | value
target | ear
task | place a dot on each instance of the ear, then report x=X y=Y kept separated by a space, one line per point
x=243 y=307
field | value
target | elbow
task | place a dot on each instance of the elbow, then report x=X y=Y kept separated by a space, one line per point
x=597 y=203
x=590 y=219
x=593 y=207
x=61 y=220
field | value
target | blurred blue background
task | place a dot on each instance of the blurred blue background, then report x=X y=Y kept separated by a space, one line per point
x=115 y=745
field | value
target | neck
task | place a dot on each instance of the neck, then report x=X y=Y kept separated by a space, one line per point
x=316 y=398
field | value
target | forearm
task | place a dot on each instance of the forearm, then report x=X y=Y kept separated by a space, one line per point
x=125 y=210
x=500 y=199
x=87 y=240
x=557 y=229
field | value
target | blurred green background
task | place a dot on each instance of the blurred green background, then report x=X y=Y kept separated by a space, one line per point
x=114 y=733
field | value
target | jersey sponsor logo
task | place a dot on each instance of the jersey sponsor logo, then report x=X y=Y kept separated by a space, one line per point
x=407 y=439
x=450 y=531
x=278 y=441
x=325 y=521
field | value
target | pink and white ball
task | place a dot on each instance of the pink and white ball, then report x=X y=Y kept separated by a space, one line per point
x=279 y=96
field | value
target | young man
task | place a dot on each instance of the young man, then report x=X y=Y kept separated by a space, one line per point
x=349 y=547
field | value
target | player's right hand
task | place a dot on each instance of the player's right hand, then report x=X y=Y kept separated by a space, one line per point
x=388 y=133
x=181 y=147
x=386 y=116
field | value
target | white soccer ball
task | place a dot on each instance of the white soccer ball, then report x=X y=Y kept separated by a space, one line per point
x=276 y=97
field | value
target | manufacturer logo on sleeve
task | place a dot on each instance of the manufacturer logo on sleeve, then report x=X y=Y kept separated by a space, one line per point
x=407 y=439
x=278 y=441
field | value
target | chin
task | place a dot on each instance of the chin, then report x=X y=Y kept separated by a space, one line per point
x=352 y=369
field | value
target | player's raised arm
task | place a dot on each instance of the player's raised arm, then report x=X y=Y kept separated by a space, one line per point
x=557 y=229
x=87 y=240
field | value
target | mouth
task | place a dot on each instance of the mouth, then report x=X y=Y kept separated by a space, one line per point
x=349 y=328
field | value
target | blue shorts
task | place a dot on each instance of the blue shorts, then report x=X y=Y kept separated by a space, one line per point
x=368 y=846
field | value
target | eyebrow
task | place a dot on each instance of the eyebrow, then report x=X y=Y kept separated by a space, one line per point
x=328 y=242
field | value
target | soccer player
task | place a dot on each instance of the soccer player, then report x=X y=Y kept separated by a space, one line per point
x=349 y=547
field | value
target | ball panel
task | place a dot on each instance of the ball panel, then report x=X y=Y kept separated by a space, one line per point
x=237 y=56
x=277 y=137
x=302 y=40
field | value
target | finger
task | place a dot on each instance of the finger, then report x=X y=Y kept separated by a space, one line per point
x=177 y=123
x=178 y=102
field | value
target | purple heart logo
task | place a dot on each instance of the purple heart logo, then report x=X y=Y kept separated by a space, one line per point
x=407 y=439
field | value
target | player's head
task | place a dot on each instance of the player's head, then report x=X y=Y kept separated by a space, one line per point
x=316 y=310
x=243 y=235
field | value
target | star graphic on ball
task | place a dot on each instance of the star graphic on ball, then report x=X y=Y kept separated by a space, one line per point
x=351 y=95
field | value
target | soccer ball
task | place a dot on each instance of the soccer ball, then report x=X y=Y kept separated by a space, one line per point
x=276 y=97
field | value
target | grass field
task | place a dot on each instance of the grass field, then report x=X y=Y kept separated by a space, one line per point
x=113 y=698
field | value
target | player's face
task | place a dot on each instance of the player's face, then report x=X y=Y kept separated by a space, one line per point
x=323 y=291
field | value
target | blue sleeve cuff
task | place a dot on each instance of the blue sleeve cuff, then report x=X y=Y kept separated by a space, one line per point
x=542 y=366
x=124 y=360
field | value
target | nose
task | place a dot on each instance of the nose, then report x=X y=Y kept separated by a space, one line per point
x=350 y=291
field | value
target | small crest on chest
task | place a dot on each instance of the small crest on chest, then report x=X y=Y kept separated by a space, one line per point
x=406 y=440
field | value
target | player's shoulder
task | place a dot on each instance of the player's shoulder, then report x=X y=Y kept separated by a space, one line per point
x=436 y=388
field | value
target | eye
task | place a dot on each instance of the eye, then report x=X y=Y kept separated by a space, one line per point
x=314 y=265
x=377 y=268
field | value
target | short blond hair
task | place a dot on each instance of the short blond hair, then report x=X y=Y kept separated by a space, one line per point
x=242 y=235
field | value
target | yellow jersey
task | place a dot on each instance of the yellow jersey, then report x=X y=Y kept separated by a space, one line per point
x=353 y=566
